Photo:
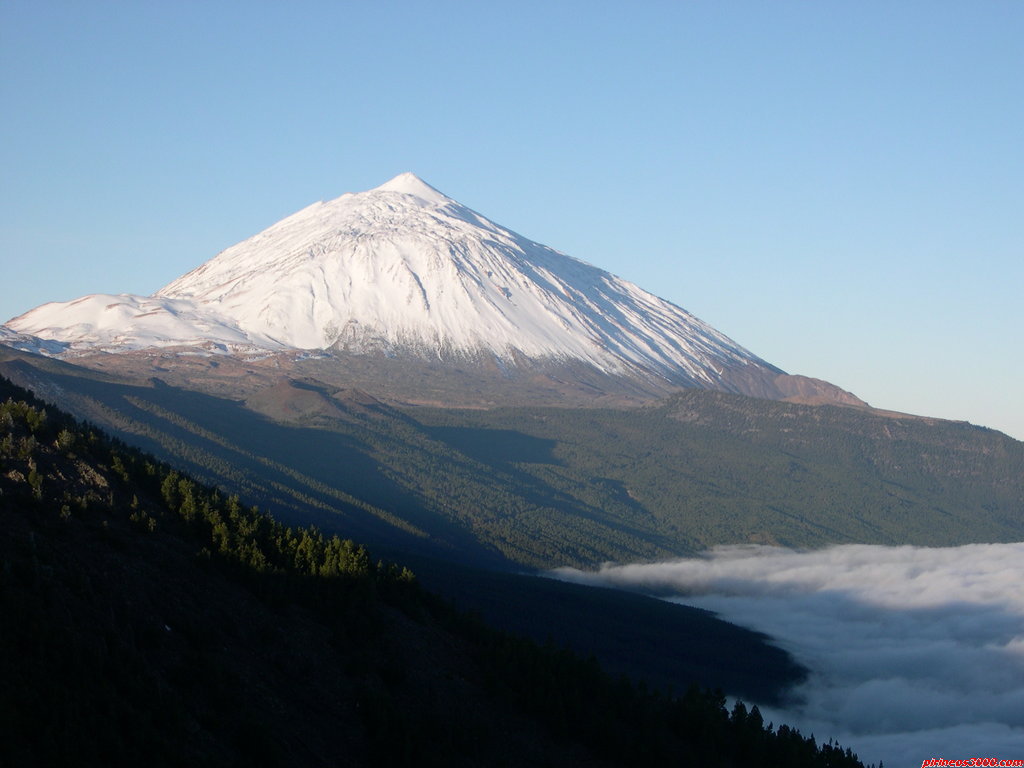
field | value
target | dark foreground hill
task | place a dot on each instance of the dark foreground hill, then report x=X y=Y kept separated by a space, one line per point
x=151 y=620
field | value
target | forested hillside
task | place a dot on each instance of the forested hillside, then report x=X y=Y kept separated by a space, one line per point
x=150 y=619
x=707 y=468
x=552 y=486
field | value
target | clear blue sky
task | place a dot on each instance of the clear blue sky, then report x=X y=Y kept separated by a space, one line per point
x=838 y=186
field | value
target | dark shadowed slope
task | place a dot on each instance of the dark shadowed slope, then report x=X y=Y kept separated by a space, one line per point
x=151 y=620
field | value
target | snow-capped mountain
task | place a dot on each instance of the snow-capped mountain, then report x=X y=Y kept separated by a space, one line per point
x=404 y=270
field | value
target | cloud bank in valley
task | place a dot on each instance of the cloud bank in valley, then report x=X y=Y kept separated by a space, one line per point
x=914 y=652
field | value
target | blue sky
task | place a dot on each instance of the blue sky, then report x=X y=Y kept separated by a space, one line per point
x=837 y=186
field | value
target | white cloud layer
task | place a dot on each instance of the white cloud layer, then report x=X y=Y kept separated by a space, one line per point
x=914 y=652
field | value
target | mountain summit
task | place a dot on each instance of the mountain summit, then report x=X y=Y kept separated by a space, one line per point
x=411 y=184
x=403 y=270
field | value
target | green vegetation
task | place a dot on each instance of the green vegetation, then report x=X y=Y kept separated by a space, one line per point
x=549 y=486
x=707 y=468
x=151 y=619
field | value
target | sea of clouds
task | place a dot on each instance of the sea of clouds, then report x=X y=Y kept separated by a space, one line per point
x=914 y=652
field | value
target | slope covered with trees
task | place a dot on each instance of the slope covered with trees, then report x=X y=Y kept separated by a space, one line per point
x=552 y=486
x=150 y=619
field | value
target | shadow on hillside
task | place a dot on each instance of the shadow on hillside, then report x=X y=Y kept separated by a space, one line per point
x=300 y=474
x=499 y=448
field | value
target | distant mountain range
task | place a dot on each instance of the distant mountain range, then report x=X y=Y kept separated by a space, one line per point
x=404 y=272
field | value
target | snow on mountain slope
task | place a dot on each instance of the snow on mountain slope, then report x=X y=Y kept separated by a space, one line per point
x=404 y=269
x=28 y=343
x=122 y=322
